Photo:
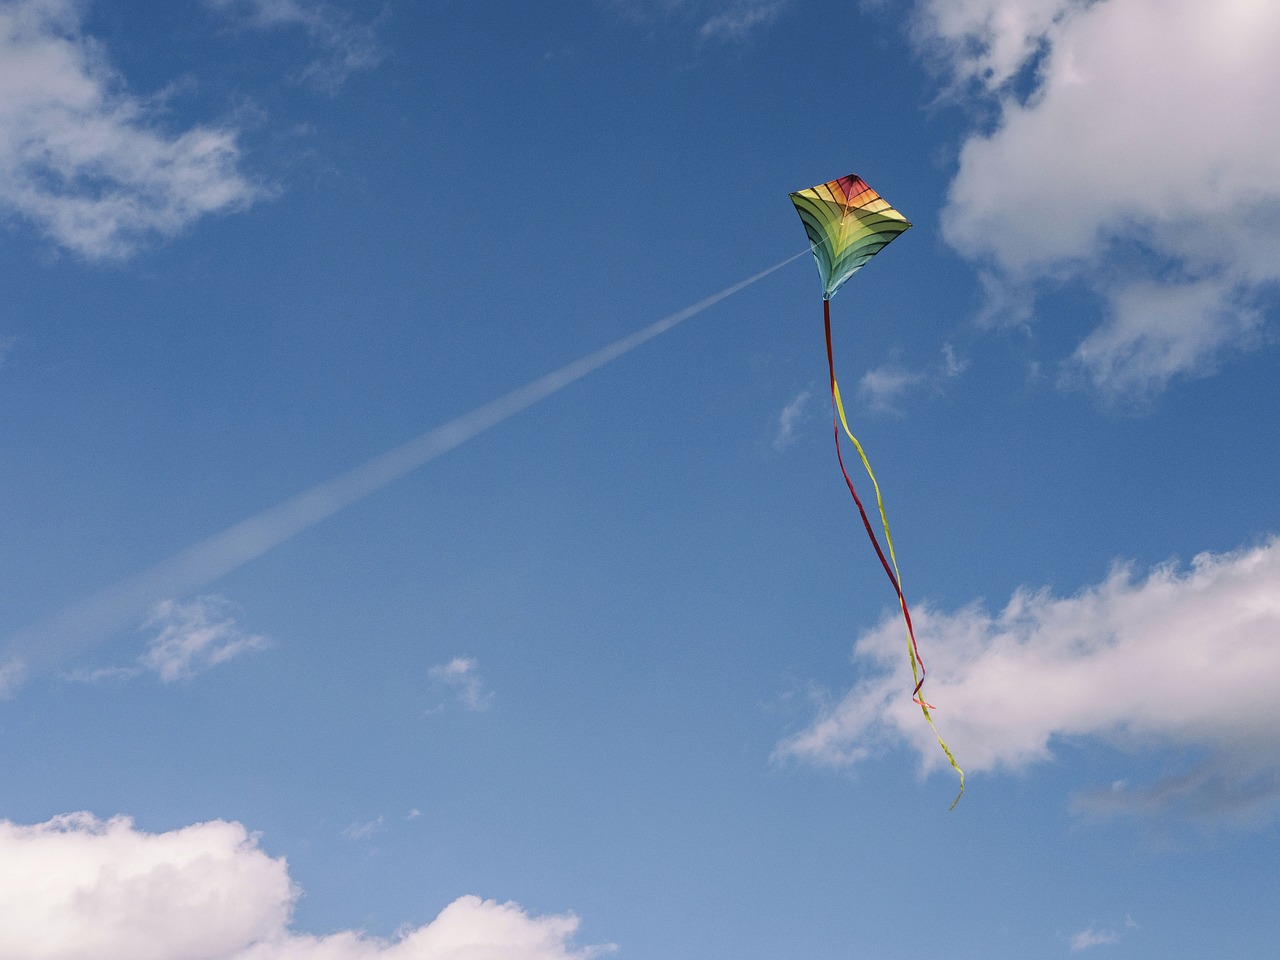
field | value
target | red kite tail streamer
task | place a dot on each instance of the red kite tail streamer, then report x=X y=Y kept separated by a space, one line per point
x=895 y=577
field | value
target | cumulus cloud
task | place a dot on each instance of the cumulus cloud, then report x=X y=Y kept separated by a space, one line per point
x=1178 y=659
x=1134 y=148
x=79 y=888
x=789 y=419
x=461 y=675
x=88 y=164
x=986 y=42
x=348 y=46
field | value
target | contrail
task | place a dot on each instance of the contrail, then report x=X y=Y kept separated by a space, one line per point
x=51 y=641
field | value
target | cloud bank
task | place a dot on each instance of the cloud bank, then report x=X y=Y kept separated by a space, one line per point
x=79 y=888
x=1133 y=147
x=1178 y=659
x=85 y=162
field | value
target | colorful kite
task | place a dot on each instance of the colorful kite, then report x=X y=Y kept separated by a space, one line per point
x=848 y=223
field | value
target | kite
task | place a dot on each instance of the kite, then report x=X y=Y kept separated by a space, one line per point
x=848 y=223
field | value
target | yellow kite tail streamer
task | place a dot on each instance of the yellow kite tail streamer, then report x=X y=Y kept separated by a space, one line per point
x=895 y=577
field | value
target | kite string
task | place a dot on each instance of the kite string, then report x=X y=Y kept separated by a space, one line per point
x=895 y=577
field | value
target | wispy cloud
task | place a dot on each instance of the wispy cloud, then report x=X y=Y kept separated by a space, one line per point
x=1089 y=937
x=952 y=365
x=1093 y=938
x=885 y=388
x=186 y=639
x=644 y=10
x=347 y=46
x=89 y=165
x=190 y=638
x=1182 y=659
x=790 y=418
x=882 y=388
x=736 y=24
x=722 y=21
x=362 y=831
x=461 y=676
x=79 y=888
x=1158 y=330
x=1112 y=160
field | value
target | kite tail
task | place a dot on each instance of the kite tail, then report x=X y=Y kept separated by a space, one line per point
x=895 y=577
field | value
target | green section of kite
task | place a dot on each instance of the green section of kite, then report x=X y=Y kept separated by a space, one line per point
x=848 y=223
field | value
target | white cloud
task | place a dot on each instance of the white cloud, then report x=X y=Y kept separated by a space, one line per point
x=193 y=637
x=952 y=366
x=882 y=388
x=348 y=46
x=462 y=676
x=189 y=638
x=85 y=162
x=790 y=417
x=988 y=41
x=362 y=831
x=1186 y=660
x=12 y=674
x=726 y=21
x=1157 y=330
x=1135 y=151
x=736 y=24
x=78 y=888
x=1093 y=938
x=1089 y=937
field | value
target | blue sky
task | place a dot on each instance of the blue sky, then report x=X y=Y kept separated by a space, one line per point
x=608 y=668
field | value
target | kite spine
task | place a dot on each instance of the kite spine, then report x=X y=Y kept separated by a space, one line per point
x=895 y=577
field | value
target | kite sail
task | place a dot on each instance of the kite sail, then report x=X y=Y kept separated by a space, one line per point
x=848 y=223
